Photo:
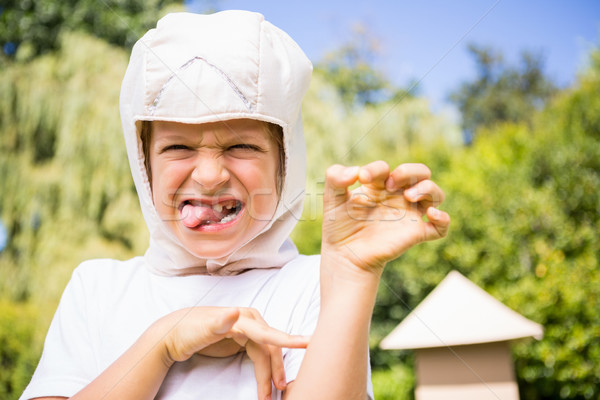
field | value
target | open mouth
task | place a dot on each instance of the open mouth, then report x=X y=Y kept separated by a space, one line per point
x=195 y=213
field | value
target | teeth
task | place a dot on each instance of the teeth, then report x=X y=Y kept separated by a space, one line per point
x=231 y=206
x=228 y=217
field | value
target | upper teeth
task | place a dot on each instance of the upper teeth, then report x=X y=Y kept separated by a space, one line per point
x=229 y=205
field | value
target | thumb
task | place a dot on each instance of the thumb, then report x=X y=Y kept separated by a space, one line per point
x=225 y=321
x=337 y=180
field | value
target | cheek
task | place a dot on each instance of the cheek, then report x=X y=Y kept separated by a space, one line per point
x=260 y=182
x=257 y=176
x=167 y=178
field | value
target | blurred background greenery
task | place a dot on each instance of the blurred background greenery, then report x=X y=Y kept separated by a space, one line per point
x=522 y=176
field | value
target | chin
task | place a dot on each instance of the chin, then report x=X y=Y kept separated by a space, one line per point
x=209 y=251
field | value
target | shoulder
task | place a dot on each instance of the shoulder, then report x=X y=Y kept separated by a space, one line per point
x=301 y=273
x=301 y=265
x=93 y=274
x=298 y=280
x=103 y=267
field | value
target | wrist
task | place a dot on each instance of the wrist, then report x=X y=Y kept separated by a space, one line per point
x=161 y=333
x=343 y=279
x=343 y=262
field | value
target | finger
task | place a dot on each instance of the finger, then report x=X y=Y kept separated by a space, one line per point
x=222 y=348
x=252 y=325
x=262 y=368
x=425 y=191
x=224 y=322
x=438 y=225
x=337 y=180
x=277 y=369
x=374 y=174
x=407 y=174
x=339 y=176
x=264 y=334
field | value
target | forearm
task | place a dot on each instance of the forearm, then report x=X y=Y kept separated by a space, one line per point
x=137 y=374
x=336 y=361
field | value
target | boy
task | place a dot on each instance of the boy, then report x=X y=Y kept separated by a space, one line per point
x=221 y=305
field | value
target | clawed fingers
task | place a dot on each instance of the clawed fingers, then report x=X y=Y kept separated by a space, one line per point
x=277 y=368
x=340 y=177
x=268 y=367
x=427 y=192
x=262 y=343
x=427 y=195
x=374 y=175
x=224 y=322
x=263 y=347
x=407 y=175
x=253 y=327
x=260 y=356
x=337 y=180
x=438 y=225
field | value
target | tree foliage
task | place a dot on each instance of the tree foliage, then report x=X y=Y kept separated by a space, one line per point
x=349 y=69
x=64 y=175
x=525 y=206
x=67 y=193
x=501 y=93
x=523 y=198
x=19 y=346
x=36 y=25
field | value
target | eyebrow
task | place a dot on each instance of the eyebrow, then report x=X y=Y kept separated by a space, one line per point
x=230 y=136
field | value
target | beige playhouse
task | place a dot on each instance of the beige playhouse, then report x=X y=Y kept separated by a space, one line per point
x=461 y=337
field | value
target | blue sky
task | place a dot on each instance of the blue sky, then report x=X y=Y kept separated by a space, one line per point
x=426 y=41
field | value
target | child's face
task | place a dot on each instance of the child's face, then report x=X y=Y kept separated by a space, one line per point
x=214 y=184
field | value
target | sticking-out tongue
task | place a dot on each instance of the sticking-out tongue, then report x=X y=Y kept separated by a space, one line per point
x=193 y=216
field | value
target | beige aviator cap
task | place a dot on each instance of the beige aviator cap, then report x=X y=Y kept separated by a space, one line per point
x=196 y=68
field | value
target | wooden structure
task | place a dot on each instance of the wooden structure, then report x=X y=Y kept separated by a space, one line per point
x=461 y=337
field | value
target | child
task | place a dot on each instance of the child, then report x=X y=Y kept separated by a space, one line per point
x=221 y=306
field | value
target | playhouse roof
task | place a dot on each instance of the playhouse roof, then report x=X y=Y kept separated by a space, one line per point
x=458 y=312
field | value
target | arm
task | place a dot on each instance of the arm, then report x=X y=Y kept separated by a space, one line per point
x=362 y=230
x=212 y=331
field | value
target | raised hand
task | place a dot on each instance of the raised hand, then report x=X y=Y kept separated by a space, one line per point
x=383 y=217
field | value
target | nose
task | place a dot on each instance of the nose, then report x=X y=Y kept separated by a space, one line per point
x=210 y=173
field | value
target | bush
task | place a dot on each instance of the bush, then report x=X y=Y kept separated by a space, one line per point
x=19 y=347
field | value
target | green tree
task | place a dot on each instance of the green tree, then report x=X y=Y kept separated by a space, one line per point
x=60 y=130
x=501 y=93
x=349 y=69
x=525 y=207
x=35 y=25
x=67 y=193
x=19 y=347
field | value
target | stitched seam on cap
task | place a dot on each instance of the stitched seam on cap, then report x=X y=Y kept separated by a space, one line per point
x=152 y=108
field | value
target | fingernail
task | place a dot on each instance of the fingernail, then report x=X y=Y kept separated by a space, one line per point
x=350 y=172
x=390 y=184
x=365 y=176
x=412 y=193
x=435 y=213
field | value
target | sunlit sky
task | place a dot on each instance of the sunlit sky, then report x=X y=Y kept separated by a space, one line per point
x=426 y=41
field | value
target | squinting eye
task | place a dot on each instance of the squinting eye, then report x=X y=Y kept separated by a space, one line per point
x=175 y=147
x=244 y=146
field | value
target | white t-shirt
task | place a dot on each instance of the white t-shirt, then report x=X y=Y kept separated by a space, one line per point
x=108 y=304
